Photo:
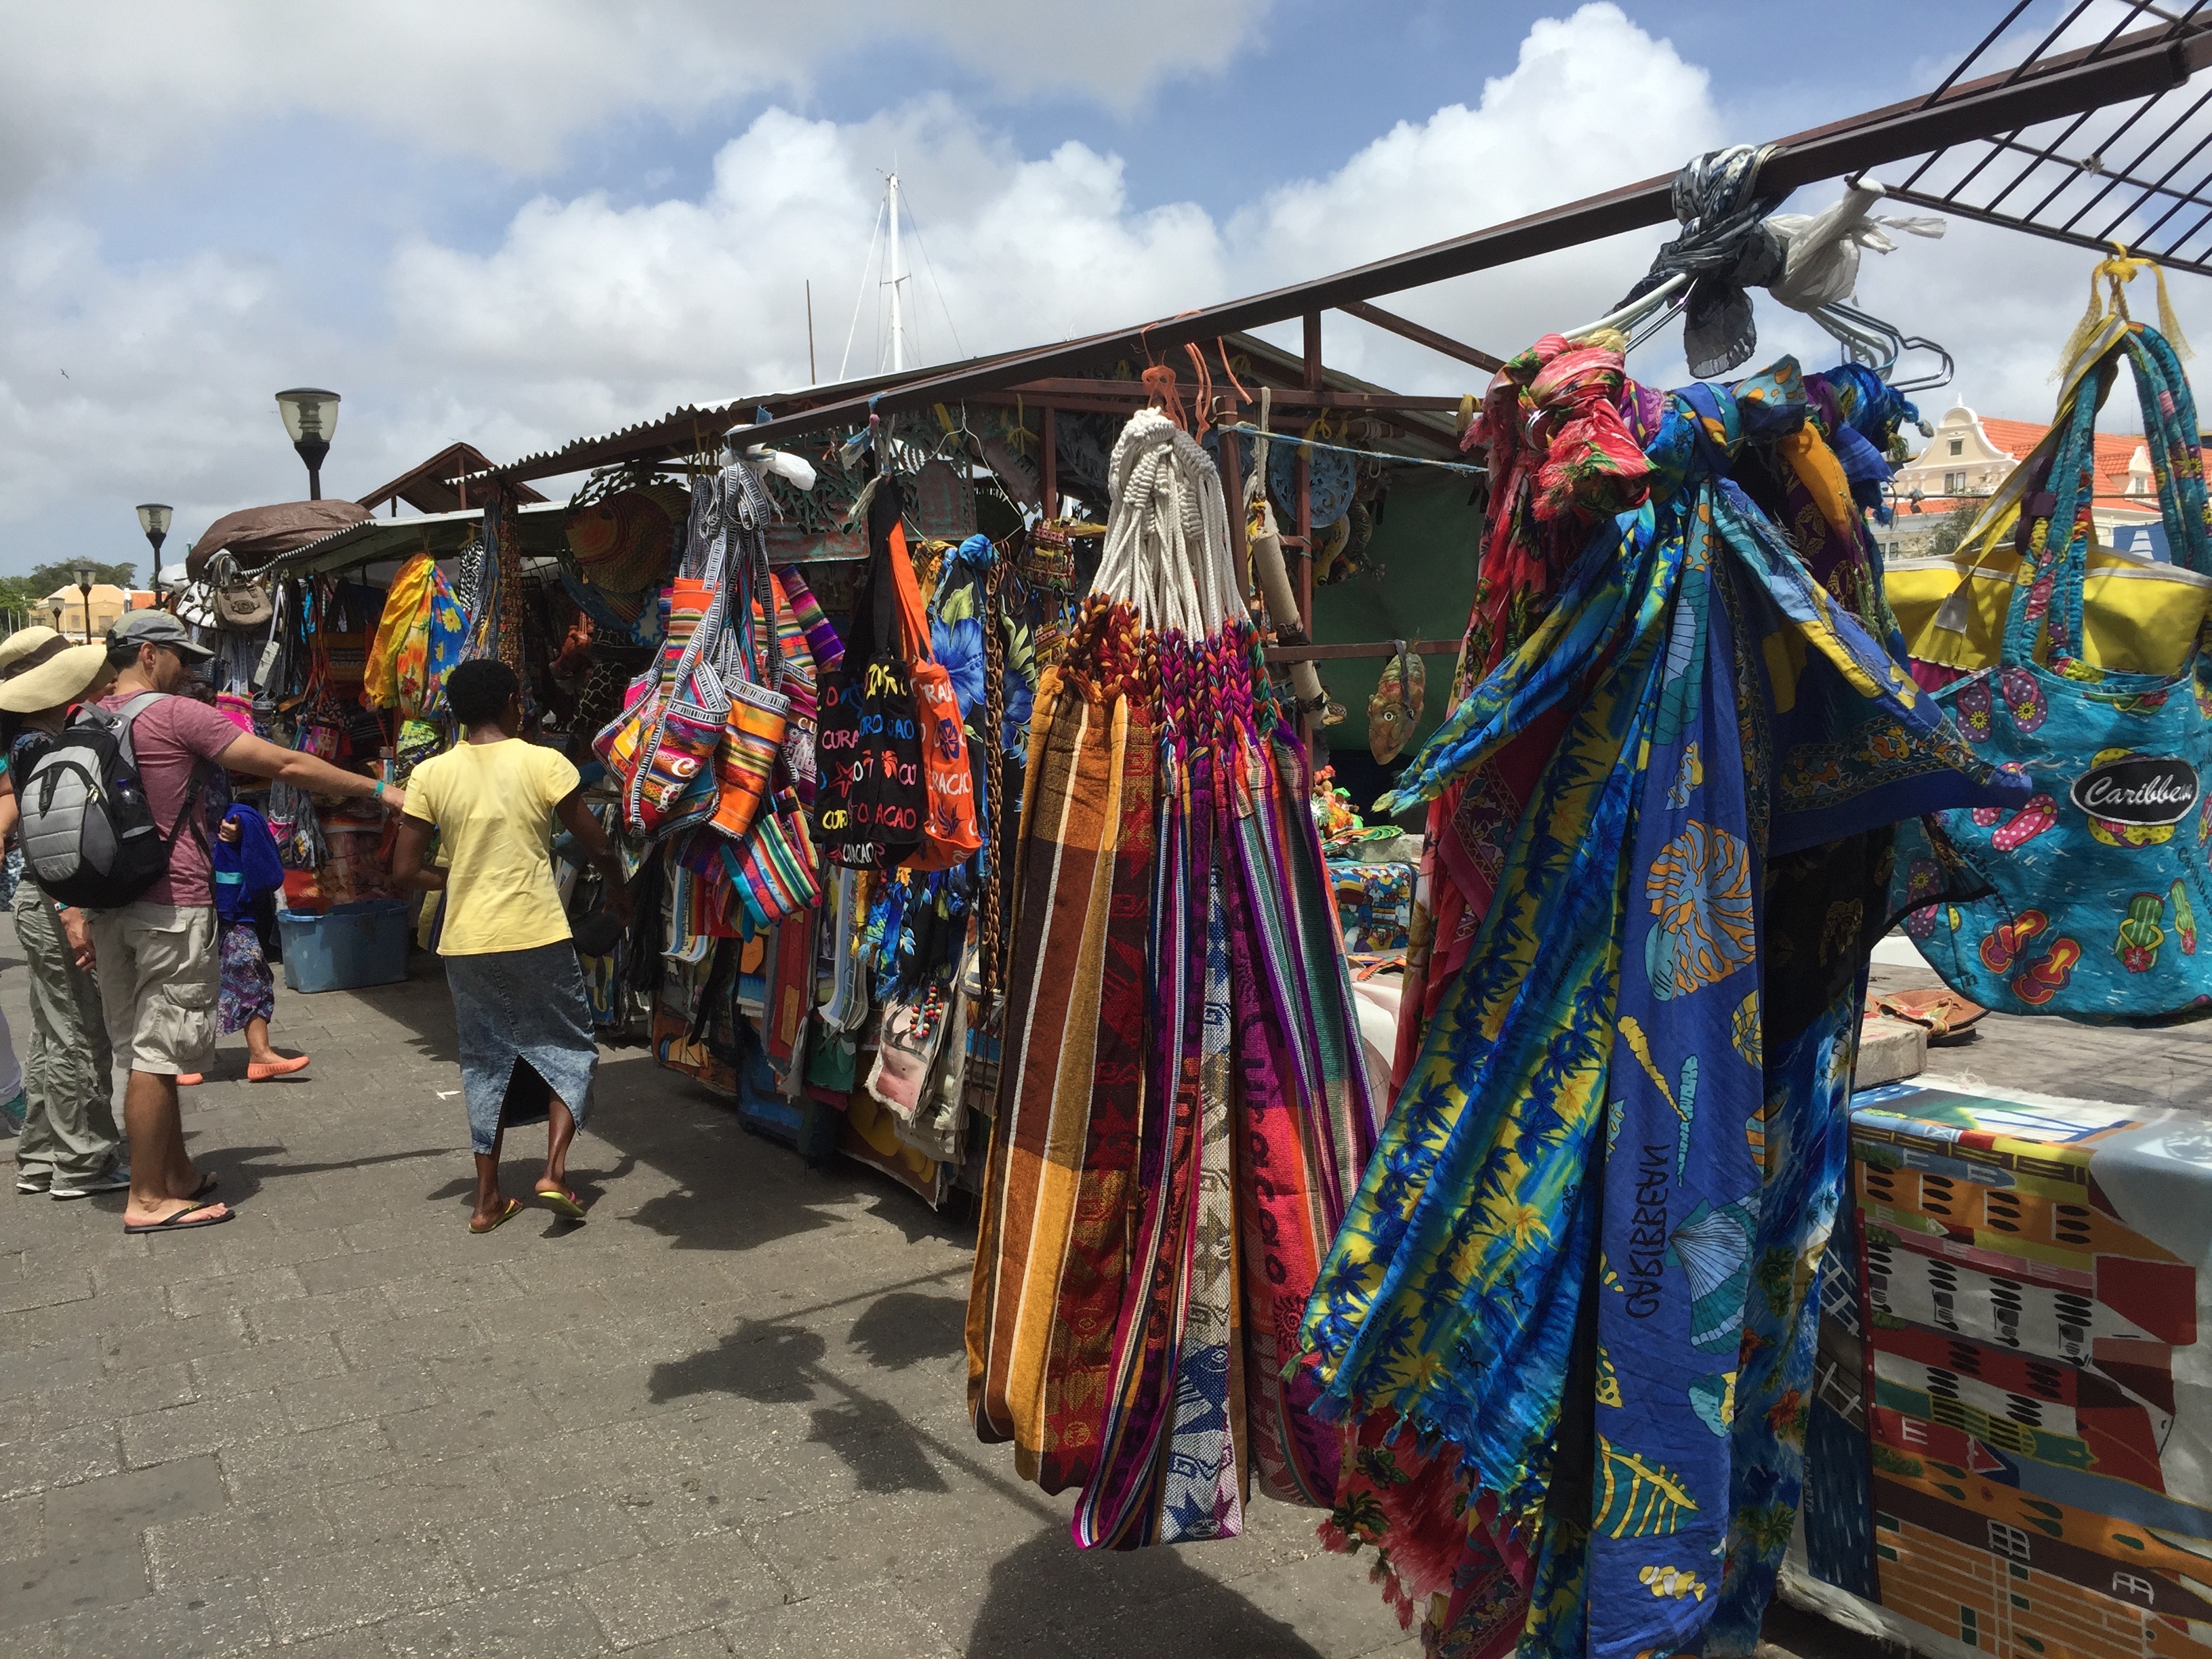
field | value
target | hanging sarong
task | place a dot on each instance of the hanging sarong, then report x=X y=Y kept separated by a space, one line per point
x=1619 y=963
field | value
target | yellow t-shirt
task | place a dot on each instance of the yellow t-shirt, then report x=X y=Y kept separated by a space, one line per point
x=492 y=804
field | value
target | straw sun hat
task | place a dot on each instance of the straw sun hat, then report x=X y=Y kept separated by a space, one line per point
x=39 y=669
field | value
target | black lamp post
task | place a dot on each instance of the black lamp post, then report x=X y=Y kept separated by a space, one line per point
x=154 y=519
x=56 y=607
x=84 y=586
x=311 y=416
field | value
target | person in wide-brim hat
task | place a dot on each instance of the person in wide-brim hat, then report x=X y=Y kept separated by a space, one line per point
x=44 y=681
x=70 y=1146
x=22 y=642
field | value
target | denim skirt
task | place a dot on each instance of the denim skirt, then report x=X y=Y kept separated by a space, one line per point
x=516 y=1006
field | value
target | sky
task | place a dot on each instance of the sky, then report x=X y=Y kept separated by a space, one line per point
x=517 y=222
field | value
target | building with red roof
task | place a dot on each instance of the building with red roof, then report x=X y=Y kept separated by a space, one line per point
x=1970 y=455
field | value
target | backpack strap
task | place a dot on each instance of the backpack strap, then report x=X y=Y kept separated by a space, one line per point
x=123 y=719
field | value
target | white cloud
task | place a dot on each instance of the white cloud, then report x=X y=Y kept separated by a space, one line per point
x=586 y=314
x=511 y=82
x=682 y=300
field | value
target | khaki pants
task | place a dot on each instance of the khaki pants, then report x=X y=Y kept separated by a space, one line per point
x=69 y=1125
x=159 y=980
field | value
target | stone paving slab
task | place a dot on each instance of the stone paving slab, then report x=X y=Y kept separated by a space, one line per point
x=725 y=1416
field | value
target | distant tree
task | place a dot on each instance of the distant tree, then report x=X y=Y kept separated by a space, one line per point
x=20 y=595
x=1953 y=531
x=47 y=577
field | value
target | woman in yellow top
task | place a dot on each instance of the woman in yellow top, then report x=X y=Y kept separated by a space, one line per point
x=510 y=958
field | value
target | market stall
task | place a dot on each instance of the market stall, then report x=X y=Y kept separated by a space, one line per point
x=960 y=729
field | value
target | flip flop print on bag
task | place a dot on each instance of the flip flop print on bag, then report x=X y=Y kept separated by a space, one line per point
x=2003 y=944
x=1922 y=881
x=2024 y=826
x=2047 y=975
x=1971 y=705
x=2142 y=930
x=2024 y=697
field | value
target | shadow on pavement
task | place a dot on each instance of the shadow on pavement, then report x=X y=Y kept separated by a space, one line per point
x=761 y=1362
x=243 y=1168
x=906 y=1328
x=1156 y=1605
x=879 y=1445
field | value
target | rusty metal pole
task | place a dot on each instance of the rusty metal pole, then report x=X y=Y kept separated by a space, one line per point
x=1232 y=496
x=1048 y=464
x=1310 y=724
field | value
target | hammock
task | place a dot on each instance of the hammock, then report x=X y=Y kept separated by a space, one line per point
x=1164 y=1171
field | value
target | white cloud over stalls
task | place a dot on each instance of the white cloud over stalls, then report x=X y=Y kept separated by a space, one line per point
x=512 y=82
x=587 y=313
x=674 y=301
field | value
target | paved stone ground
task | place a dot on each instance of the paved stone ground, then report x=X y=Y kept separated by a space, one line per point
x=725 y=1416
x=2169 y=1068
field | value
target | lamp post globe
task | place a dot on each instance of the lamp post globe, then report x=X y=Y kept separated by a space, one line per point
x=154 y=519
x=311 y=420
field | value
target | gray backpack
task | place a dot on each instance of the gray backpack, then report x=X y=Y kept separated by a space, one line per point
x=88 y=834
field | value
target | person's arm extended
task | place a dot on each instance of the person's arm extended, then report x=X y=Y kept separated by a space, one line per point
x=259 y=758
x=407 y=852
x=576 y=818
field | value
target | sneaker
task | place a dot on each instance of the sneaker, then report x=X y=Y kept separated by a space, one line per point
x=114 y=1181
x=33 y=1178
x=12 y=1113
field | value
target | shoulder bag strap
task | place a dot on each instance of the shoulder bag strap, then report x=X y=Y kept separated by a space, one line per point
x=2040 y=595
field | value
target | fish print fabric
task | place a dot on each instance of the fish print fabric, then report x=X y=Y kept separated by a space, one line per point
x=1582 y=1249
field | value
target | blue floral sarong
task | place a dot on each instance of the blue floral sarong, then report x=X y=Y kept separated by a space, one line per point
x=1582 y=1249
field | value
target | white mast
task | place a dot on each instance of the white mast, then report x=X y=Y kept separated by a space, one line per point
x=894 y=278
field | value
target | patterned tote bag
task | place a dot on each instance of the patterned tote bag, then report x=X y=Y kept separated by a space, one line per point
x=626 y=741
x=948 y=834
x=2097 y=883
x=759 y=711
x=868 y=810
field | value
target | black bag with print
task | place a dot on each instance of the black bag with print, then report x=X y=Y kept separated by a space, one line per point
x=868 y=813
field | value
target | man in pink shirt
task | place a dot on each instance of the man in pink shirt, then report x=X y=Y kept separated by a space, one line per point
x=159 y=972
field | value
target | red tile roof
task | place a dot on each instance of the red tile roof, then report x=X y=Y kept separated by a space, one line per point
x=2115 y=450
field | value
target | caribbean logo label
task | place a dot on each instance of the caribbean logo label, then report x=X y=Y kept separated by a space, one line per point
x=2142 y=791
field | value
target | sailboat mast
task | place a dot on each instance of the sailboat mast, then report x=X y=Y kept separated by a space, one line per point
x=898 y=327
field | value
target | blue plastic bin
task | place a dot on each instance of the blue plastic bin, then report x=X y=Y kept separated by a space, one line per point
x=347 y=947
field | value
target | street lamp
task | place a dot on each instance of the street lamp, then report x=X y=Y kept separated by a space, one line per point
x=57 y=605
x=311 y=416
x=84 y=586
x=154 y=519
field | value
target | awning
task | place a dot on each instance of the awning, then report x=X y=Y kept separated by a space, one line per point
x=375 y=540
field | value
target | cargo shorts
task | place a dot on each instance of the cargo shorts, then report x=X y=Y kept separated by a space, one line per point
x=160 y=977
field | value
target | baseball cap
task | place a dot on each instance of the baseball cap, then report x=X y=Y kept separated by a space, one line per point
x=158 y=628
